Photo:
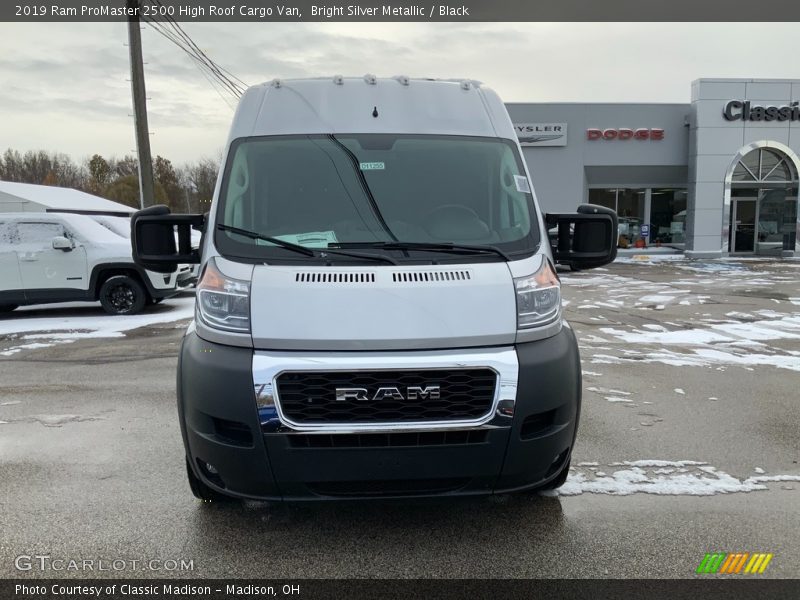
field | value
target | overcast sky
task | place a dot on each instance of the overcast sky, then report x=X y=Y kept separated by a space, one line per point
x=63 y=87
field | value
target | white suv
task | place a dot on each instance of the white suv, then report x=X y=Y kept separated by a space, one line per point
x=187 y=274
x=61 y=257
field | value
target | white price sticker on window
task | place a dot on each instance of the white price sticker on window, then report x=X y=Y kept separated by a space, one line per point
x=522 y=184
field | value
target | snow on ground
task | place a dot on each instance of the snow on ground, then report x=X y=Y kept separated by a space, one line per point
x=21 y=332
x=692 y=338
x=662 y=477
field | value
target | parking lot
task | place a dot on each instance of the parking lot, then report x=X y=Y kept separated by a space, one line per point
x=688 y=443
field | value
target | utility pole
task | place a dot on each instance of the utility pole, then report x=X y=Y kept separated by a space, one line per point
x=140 y=106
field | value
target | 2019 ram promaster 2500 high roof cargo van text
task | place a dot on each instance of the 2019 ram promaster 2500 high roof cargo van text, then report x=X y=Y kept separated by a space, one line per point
x=378 y=313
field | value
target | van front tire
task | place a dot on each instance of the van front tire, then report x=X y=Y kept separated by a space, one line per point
x=122 y=295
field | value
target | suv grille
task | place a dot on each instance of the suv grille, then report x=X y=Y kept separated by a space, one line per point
x=310 y=398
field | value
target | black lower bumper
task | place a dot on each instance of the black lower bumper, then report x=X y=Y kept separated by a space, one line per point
x=186 y=278
x=228 y=450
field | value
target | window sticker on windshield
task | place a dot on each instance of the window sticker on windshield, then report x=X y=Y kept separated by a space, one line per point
x=310 y=239
x=522 y=184
x=372 y=166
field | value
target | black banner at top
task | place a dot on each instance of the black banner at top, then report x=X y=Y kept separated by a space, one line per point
x=254 y=11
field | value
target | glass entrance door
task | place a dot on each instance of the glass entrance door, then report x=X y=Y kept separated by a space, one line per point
x=743 y=225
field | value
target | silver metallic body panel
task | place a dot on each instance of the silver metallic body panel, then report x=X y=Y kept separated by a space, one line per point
x=383 y=313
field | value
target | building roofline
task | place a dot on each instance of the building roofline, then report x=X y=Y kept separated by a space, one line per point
x=744 y=80
x=686 y=104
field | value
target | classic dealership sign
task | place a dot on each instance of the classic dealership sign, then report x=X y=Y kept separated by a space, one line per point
x=541 y=134
x=744 y=110
x=625 y=133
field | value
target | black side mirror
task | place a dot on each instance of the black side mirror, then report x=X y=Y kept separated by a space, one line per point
x=154 y=242
x=585 y=239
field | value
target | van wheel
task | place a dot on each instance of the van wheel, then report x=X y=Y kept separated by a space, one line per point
x=201 y=491
x=8 y=307
x=122 y=295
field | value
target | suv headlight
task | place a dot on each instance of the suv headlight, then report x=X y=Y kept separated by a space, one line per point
x=538 y=297
x=223 y=302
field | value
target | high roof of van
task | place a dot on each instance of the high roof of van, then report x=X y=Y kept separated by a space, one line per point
x=371 y=105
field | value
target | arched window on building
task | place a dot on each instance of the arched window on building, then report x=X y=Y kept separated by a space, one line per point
x=764 y=192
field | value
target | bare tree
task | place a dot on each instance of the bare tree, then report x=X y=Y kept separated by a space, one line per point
x=201 y=178
x=166 y=176
x=99 y=174
x=42 y=167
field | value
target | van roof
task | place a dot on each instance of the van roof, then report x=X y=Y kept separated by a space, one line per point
x=349 y=105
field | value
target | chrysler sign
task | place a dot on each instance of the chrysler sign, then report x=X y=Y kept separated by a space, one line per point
x=541 y=134
x=744 y=110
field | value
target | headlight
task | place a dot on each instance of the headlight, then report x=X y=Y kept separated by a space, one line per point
x=223 y=302
x=538 y=297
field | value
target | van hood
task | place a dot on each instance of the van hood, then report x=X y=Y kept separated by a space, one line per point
x=382 y=308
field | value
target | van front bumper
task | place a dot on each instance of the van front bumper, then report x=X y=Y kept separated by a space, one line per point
x=240 y=444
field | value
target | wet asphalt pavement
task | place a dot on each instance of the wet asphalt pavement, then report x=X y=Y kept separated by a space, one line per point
x=683 y=362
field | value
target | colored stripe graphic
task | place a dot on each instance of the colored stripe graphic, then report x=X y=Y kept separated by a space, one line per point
x=701 y=568
x=732 y=563
x=711 y=562
x=758 y=563
x=729 y=562
x=765 y=563
x=740 y=564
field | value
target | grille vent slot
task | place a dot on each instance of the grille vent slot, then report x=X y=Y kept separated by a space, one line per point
x=310 y=397
x=430 y=276
x=328 y=277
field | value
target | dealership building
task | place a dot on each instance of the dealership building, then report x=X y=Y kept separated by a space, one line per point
x=715 y=177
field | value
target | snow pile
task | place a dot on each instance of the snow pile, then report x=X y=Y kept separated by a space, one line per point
x=41 y=332
x=663 y=477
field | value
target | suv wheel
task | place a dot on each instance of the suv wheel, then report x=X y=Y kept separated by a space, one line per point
x=7 y=307
x=122 y=295
x=200 y=490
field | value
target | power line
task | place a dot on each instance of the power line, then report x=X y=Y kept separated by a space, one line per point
x=202 y=64
x=204 y=69
x=186 y=36
x=180 y=38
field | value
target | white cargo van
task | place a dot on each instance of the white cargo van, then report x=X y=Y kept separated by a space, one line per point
x=378 y=311
x=61 y=257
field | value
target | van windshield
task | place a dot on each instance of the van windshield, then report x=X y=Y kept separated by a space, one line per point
x=374 y=191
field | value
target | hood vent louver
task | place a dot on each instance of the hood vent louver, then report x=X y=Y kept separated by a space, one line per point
x=430 y=276
x=328 y=277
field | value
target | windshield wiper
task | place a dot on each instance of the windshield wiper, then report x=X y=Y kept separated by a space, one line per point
x=378 y=257
x=364 y=185
x=302 y=249
x=433 y=247
x=265 y=238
